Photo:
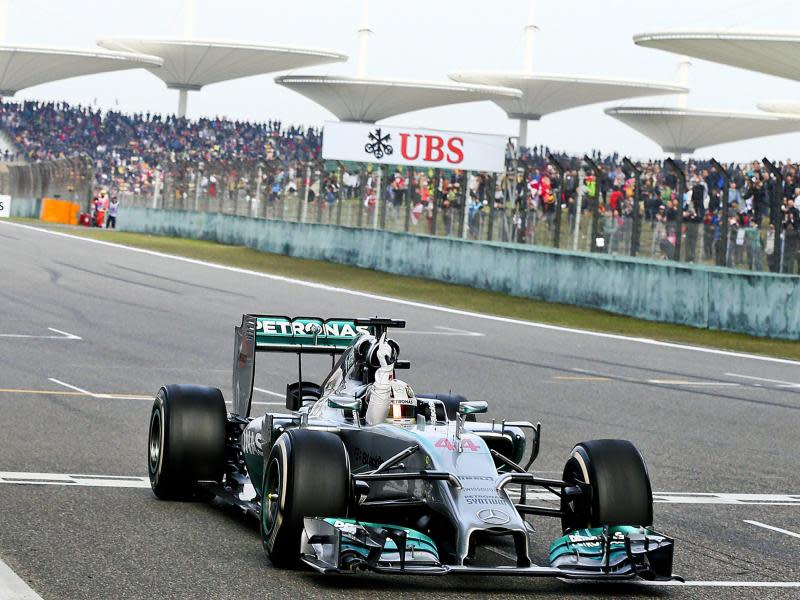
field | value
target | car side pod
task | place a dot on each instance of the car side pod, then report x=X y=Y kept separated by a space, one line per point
x=614 y=552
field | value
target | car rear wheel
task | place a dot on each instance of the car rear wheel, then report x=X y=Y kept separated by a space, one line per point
x=618 y=486
x=186 y=443
x=307 y=474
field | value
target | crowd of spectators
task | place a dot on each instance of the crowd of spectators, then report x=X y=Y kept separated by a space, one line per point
x=129 y=150
x=763 y=220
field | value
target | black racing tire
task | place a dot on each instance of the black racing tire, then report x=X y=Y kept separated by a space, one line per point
x=186 y=441
x=619 y=486
x=307 y=475
x=451 y=402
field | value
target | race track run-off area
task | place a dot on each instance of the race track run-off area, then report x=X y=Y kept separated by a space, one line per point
x=89 y=331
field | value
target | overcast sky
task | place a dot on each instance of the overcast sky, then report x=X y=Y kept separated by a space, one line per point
x=426 y=39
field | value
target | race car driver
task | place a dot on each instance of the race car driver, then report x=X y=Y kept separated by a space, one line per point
x=389 y=400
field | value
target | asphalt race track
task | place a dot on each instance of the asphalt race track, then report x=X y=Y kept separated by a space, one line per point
x=89 y=331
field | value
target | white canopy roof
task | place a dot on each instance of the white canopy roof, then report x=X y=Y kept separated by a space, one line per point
x=786 y=107
x=25 y=66
x=774 y=53
x=368 y=99
x=545 y=93
x=682 y=130
x=191 y=64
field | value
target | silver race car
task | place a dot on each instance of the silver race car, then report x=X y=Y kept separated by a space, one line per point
x=420 y=493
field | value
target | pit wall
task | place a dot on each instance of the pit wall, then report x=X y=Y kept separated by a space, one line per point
x=760 y=304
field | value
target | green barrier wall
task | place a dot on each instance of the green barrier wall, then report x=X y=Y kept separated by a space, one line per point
x=757 y=304
x=25 y=207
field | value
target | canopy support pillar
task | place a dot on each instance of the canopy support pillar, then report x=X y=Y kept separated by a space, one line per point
x=522 y=142
x=183 y=101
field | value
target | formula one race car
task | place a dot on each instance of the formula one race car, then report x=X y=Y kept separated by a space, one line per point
x=416 y=495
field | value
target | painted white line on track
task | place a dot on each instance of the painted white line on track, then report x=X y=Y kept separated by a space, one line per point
x=693 y=383
x=62 y=335
x=444 y=331
x=453 y=311
x=100 y=396
x=727 y=498
x=110 y=481
x=779 y=381
x=722 y=584
x=71 y=387
x=269 y=393
x=499 y=552
x=13 y=587
x=773 y=528
x=660 y=497
x=124 y=396
x=254 y=402
x=693 y=498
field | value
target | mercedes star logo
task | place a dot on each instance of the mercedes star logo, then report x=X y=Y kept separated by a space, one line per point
x=493 y=517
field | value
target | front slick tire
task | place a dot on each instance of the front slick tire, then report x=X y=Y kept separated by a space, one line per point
x=307 y=475
x=619 y=491
x=187 y=440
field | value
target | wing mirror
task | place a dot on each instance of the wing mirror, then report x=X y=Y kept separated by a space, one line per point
x=345 y=403
x=474 y=407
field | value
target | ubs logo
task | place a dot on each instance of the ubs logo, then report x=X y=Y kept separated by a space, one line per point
x=493 y=517
x=379 y=144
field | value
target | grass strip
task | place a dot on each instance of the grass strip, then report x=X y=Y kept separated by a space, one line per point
x=445 y=294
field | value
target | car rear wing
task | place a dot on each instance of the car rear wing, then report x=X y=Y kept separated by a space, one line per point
x=297 y=335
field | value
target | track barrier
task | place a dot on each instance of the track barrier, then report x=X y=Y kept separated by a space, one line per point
x=761 y=304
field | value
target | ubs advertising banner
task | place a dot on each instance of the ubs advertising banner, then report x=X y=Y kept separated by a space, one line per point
x=361 y=142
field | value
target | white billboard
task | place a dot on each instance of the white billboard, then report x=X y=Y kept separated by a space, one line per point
x=388 y=145
x=5 y=206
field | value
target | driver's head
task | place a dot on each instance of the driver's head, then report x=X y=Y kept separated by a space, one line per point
x=403 y=404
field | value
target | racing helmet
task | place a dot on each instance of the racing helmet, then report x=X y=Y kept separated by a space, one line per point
x=402 y=405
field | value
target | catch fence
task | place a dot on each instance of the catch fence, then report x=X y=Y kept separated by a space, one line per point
x=578 y=210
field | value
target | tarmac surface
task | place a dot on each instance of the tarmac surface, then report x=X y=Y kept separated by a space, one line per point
x=89 y=331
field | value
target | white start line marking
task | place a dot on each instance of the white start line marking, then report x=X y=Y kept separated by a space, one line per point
x=75 y=388
x=147 y=398
x=691 y=498
x=13 y=587
x=773 y=528
x=139 y=482
x=422 y=305
x=61 y=335
x=109 y=481
x=269 y=393
x=722 y=584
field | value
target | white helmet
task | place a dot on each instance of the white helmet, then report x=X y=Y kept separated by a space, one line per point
x=403 y=404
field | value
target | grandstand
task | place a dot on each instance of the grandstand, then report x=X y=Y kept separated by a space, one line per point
x=224 y=165
x=256 y=168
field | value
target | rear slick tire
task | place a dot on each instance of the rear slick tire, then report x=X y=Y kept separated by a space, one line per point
x=186 y=443
x=619 y=491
